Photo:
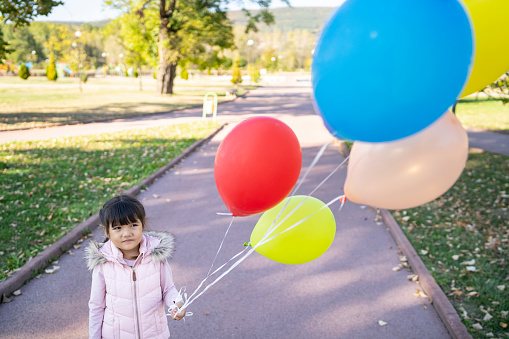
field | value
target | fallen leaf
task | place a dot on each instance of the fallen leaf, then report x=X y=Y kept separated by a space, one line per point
x=382 y=323
x=503 y=325
x=5 y=299
x=501 y=287
x=471 y=269
x=504 y=313
x=16 y=293
x=470 y=288
x=403 y=258
x=455 y=257
x=464 y=313
x=49 y=271
x=77 y=246
x=470 y=263
x=423 y=295
x=396 y=269
x=487 y=317
x=424 y=252
x=473 y=294
x=490 y=334
x=477 y=326
x=155 y=196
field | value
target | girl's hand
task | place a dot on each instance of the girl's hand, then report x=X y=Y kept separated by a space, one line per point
x=181 y=314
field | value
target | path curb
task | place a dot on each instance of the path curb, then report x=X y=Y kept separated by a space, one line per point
x=439 y=300
x=27 y=271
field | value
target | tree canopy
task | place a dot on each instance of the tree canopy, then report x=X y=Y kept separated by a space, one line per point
x=22 y=12
x=187 y=30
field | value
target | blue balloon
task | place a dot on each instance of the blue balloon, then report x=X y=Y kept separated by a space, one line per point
x=383 y=70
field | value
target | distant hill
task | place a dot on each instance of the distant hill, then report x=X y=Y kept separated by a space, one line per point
x=79 y=23
x=290 y=18
x=287 y=19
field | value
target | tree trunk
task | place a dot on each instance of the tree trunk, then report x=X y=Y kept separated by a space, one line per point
x=166 y=77
x=167 y=62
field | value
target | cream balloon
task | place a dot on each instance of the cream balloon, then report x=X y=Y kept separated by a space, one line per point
x=411 y=171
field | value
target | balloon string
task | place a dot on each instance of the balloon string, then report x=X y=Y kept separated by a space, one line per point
x=340 y=198
x=189 y=301
x=220 y=246
x=273 y=227
x=296 y=188
x=264 y=240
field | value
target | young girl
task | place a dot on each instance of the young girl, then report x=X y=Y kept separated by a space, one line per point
x=131 y=278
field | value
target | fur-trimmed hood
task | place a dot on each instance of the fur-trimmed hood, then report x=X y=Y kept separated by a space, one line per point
x=160 y=245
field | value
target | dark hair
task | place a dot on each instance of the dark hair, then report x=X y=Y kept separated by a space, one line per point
x=121 y=210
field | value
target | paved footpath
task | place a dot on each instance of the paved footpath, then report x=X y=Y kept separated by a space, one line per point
x=342 y=294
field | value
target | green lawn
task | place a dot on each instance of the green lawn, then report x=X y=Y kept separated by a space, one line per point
x=37 y=102
x=463 y=238
x=485 y=113
x=49 y=187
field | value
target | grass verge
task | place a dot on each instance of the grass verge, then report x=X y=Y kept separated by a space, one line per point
x=38 y=102
x=462 y=237
x=49 y=187
x=484 y=113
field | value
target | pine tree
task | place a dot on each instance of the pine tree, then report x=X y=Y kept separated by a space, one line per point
x=237 y=75
x=51 y=70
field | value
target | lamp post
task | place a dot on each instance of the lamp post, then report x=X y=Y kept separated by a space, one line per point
x=77 y=34
x=121 y=55
x=249 y=44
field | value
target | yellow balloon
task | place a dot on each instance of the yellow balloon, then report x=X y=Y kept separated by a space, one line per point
x=305 y=242
x=489 y=18
x=408 y=172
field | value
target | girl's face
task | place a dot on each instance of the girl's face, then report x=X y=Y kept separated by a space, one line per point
x=127 y=238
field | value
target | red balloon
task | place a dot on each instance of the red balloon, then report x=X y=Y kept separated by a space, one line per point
x=257 y=165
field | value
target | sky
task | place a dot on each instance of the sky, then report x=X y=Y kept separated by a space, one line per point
x=94 y=10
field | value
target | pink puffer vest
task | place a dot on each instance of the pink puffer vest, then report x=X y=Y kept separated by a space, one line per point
x=129 y=302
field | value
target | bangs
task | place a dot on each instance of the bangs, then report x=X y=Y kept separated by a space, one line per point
x=122 y=212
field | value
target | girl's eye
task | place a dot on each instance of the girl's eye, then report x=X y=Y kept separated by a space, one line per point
x=134 y=225
x=116 y=228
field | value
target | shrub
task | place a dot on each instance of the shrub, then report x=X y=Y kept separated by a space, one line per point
x=51 y=70
x=136 y=73
x=184 y=74
x=23 y=72
x=237 y=75
x=254 y=72
x=242 y=62
x=84 y=77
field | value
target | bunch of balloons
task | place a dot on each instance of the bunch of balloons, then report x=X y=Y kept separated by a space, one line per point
x=384 y=73
x=256 y=167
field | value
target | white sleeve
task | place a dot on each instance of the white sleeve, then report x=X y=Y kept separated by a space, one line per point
x=170 y=292
x=96 y=304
